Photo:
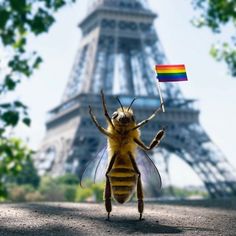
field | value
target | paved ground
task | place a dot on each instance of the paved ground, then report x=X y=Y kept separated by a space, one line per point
x=89 y=219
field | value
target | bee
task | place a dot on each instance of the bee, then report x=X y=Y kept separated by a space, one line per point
x=124 y=168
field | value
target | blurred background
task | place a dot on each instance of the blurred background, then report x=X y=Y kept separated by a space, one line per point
x=211 y=82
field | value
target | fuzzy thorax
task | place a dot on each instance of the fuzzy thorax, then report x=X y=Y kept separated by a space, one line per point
x=122 y=142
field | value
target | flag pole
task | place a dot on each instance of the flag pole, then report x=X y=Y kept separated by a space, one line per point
x=160 y=95
x=161 y=99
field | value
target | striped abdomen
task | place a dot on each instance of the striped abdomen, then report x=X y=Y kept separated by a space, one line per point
x=123 y=182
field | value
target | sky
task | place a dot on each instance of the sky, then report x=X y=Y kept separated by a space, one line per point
x=209 y=81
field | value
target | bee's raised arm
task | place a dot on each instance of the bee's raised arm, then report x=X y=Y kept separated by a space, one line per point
x=148 y=119
x=153 y=143
x=105 y=110
x=103 y=130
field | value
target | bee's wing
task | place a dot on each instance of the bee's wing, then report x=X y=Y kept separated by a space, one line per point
x=95 y=170
x=150 y=176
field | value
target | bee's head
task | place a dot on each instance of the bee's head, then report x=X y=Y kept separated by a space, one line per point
x=123 y=116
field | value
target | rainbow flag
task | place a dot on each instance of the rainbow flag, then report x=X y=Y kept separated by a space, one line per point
x=171 y=73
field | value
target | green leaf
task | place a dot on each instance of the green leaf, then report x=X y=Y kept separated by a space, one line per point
x=27 y=121
x=18 y=168
x=20 y=43
x=8 y=36
x=19 y=104
x=58 y=4
x=213 y=52
x=10 y=118
x=4 y=18
x=18 y=5
x=1 y=131
x=20 y=65
x=10 y=83
x=11 y=165
x=41 y=22
x=37 y=62
x=5 y=105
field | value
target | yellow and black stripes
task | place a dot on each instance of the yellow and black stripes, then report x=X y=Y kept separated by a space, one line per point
x=123 y=182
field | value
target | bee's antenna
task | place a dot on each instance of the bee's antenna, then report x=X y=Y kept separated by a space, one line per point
x=131 y=103
x=120 y=104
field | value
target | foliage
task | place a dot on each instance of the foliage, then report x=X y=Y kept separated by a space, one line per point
x=19 y=19
x=19 y=193
x=217 y=15
x=68 y=179
x=186 y=192
x=62 y=188
x=28 y=175
x=92 y=192
x=67 y=188
x=98 y=190
x=83 y=194
x=34 y=196
x=14 y=156
x=70 y=193
x=51 y=190
x=23 y=193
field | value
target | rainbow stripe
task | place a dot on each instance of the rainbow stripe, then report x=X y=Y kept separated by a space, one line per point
x=171 y=73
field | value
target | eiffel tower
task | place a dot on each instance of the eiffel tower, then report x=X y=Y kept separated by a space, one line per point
x=117 y=52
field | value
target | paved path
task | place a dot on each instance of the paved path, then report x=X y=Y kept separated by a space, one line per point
x=89 y=219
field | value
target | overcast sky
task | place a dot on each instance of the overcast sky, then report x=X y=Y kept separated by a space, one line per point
x=209 y=81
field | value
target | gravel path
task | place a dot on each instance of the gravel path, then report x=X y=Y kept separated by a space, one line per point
x=89 y=219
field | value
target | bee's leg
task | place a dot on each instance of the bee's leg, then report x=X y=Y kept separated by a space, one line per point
x=105 y=109
x=153 y=143
x=108 y=188
x=139 y=187
x=108 y=198
x=148 y=119
x=140 y=197
x=104 y=131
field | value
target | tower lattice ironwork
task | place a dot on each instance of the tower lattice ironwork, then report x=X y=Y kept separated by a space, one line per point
x=118 y=48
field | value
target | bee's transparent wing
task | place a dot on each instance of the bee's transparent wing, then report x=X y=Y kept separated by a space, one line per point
x=151 y=179
x=95 y=170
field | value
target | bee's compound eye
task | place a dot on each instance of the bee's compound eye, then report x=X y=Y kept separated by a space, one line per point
x=114 y=115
